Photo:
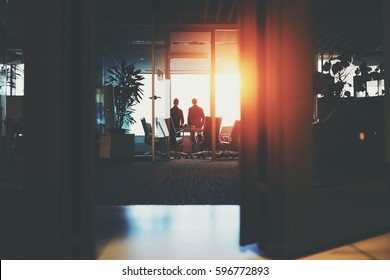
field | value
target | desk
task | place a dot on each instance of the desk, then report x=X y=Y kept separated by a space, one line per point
x=193 y=130
x=188 y=137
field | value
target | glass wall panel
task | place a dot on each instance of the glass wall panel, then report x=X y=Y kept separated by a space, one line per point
x=188 y=86
x=3 y=87
x=11 y=91
x=227 y=77
x=190 y=69
x=187 y=77
x=227 y=91
x=349 y=128
x=228 y=98
x=161 y=98
x=115 y=45
x=190 y=52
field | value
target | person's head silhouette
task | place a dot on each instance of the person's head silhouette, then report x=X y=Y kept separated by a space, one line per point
x=194 y=101
x=175 y=101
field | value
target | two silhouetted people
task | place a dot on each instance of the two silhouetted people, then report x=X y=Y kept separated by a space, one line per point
x=195 y=119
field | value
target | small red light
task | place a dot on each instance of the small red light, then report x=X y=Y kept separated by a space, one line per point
x=362 y=136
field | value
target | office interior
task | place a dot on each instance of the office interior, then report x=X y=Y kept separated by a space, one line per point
x=313 y=172
x=181 y=59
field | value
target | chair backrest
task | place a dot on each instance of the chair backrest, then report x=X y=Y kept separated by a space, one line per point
x=225 y=134
x=148 y=131
x=172 y=133
x=235 y=133
x=207 y=142
x=176 y=137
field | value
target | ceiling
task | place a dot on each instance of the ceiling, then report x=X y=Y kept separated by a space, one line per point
x=347 y=26
x=167 y=11
x=337 y=25
x=189 y=51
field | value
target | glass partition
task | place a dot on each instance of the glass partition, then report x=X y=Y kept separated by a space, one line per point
x=3 y=87
x=349 y=119
x=227 y=77
x=190 y=69
x=190 y=64
x=188 y=86
x=115 y=45
x=11 y=93
x=160 y=98
x=173 y=65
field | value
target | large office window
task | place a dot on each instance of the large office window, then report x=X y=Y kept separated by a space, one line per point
x=144 y=108
x=12 y=81
x=228 y=98
x=227 y=79
x=188 y=86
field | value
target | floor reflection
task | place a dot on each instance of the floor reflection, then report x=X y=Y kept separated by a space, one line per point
x=201 y=232
x=170 y=232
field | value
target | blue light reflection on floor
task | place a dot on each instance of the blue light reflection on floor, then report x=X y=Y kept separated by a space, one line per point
x=161 y=218
x=173 y=232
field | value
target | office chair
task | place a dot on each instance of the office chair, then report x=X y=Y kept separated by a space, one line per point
x=147 y=130
x=229 y=139
x=205 y=144
x=176 y=140
x=15 y=136
x=148 y=136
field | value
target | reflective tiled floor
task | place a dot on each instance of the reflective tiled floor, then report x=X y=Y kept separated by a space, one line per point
x=195 y=232
x=376 y=248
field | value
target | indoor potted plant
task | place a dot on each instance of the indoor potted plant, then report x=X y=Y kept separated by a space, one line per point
x=126 y=84
x=127 y=92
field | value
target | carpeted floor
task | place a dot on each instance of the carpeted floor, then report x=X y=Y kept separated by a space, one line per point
x=175 y=182
x=200 y=181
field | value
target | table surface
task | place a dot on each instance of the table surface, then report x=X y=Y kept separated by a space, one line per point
x=187 y=139
x=189 y=129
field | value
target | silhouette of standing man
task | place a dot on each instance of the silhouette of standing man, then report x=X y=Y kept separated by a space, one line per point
x=177 y=115
x=195 y=119
x=195 y=115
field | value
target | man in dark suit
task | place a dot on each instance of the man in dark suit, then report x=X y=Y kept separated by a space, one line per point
x=195 y=115
x=195 y=119
x=177 y=115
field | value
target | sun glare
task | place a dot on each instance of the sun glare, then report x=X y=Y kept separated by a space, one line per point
x=187 y=86
x=228 y=98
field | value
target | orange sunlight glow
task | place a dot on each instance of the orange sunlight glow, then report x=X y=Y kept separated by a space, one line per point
x=227 y=98
x=362 y=137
